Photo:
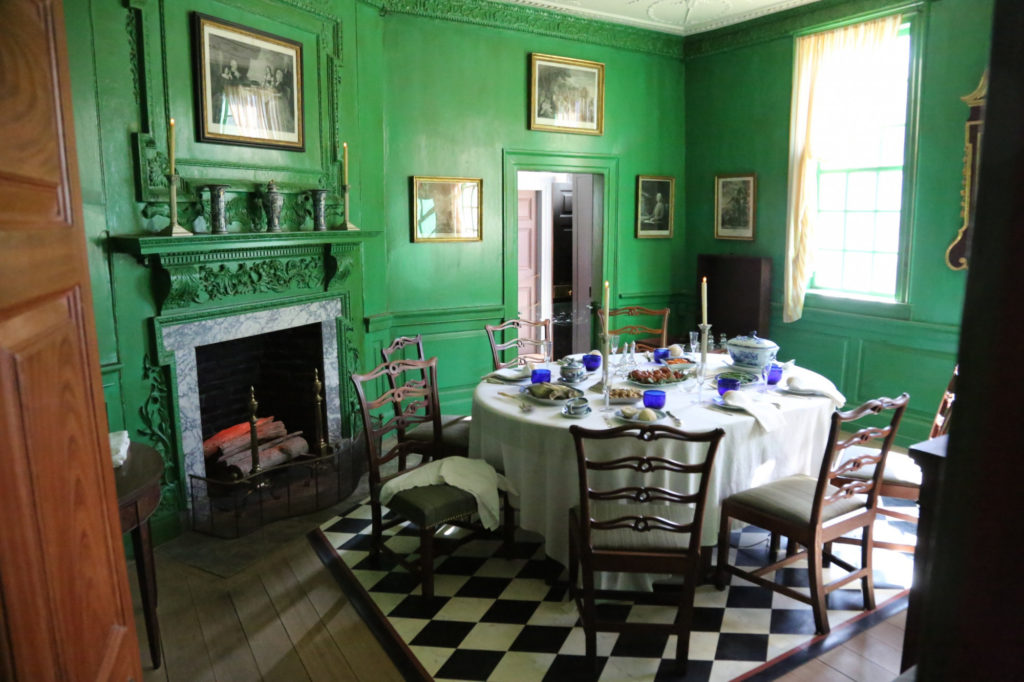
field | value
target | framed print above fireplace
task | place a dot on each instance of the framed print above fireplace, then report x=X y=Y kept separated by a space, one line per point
x=735 y=206
x=566 y=95
x=248 y=85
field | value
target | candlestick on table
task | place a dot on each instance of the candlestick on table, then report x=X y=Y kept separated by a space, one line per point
x=702 y=369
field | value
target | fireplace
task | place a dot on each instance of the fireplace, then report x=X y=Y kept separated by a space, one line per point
x=276 y=350
x=297 y=296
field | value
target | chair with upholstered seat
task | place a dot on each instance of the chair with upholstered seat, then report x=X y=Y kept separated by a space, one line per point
x=651 y=325
x=901 y=478
x=642 y=492
x=532 y=342
x=454 y=427
x=412 y=402
x=813 y=511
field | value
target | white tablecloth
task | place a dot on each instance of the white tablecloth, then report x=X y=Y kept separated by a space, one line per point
x=536 y=452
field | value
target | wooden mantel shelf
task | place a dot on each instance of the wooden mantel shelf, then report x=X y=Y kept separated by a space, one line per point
x=141 y=246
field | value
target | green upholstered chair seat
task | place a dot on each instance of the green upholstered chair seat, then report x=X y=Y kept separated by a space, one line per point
x=791 y=499
x=630 y=540
x=900 y=469
x=454 y=431
x=429 y=505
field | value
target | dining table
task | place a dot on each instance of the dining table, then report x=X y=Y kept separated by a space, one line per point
x=530 y=443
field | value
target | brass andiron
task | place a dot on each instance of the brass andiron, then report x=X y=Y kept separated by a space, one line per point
x=318 y=401
x=254 y=442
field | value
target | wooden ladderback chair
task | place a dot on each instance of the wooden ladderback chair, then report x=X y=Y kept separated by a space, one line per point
x=901 y=478
x=651 y=337
x=409 y=402
x=642 y=492
x=532 y=342
x=454 y=427
x=814 y=511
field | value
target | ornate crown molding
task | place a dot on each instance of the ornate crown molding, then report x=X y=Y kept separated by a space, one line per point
x=539 y=21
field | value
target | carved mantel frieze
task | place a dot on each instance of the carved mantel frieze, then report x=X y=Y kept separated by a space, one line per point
x=218 y=270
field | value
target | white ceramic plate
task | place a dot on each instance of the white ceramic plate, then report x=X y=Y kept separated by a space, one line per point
x=746 y=378
x=717 y=400
x=510 y=374
x=634 y=420
x=799 y=391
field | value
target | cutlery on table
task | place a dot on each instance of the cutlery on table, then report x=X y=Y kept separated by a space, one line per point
x=675 y=420
x=523 y=405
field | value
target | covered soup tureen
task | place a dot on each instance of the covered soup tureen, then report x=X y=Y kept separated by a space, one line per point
x=751 y=352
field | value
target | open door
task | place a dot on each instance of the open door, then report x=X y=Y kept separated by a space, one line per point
x=66 y=606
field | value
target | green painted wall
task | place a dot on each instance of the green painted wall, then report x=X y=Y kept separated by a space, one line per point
x=416 y=90
x=413 y=93
x=737 y=120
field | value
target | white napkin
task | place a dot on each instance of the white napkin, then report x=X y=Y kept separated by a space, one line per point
x=766 y=414
x=817 y=383
x=510 y=374
x=475 y=476
x=119 y=443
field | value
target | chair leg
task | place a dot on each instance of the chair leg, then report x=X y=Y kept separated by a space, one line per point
x=427 y=561
x=723 y=551
x=376 y=523
x=574 y=562
x=589 y=615
x=867 y=583
x=773 y=547
x=817 y=589
x=508 y=527
x=826 y=560
x=791 y=546
x=684 y=620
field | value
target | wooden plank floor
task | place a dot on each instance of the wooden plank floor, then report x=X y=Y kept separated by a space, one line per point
x=284 y=618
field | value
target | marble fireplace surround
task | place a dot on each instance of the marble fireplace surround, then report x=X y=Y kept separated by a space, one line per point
x=182 y=340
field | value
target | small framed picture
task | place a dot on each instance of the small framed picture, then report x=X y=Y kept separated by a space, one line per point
x=655 y=205
x=566 y=95
x=248 y=85
x=735 y=206
x=447 y=209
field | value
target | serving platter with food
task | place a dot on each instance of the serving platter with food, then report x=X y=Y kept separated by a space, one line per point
x=658 y=375
x=547 y=393
x=744 y=378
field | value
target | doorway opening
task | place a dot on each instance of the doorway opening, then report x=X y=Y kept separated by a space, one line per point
x=560 y=246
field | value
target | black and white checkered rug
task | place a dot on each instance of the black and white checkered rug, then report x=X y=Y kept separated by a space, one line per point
x=497 y=618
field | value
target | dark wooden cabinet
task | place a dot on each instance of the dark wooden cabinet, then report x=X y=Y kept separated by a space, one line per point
x=739 y=289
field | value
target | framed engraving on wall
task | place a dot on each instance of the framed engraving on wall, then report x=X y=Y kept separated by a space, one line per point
x=655 y=201
x=447 y=209
x=248 y=85
x=566 y=95
x=735 y=206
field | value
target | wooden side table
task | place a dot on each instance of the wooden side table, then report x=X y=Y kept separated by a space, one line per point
x=138 y=494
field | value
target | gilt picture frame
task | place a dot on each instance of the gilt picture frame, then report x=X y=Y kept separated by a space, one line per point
x=566 y=95
x=248 y=85
x=735 y=206
x=655 y=206
x=447 y=209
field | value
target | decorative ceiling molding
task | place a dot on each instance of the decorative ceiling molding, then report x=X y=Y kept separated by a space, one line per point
x=678 y=17
x=541 y=21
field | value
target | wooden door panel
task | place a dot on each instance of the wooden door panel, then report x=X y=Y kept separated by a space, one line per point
x=65 y=606
x=529 y=272
x=33 y=186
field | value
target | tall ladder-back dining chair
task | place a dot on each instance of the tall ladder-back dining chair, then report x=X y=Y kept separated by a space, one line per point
x=813 y=511
x=454 y=427
x=532 y=337
x=651 y=337
x=642 y=492
x=409 y=402
x=901 y=478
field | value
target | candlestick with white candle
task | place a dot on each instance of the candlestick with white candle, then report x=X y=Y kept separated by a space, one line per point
x=344 y=163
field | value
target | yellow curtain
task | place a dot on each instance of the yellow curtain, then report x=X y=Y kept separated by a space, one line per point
x=833 y=91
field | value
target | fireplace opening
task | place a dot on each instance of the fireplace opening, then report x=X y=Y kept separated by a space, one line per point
x=277 y=365
x=294 y=475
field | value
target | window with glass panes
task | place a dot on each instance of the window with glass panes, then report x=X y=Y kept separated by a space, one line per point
x=860 y=194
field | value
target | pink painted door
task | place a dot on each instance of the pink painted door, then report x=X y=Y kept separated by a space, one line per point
x=529 y=268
